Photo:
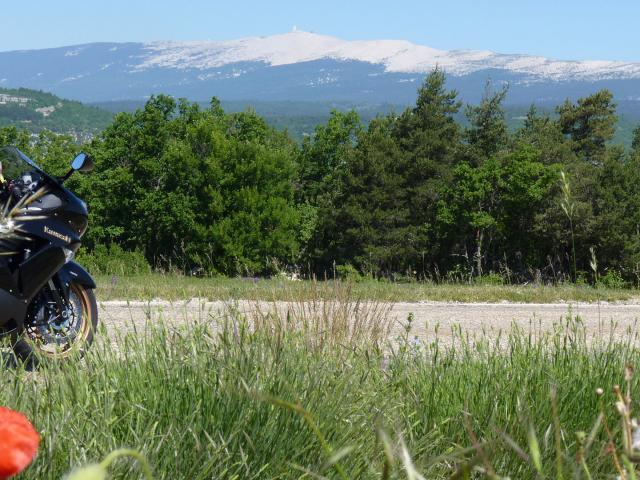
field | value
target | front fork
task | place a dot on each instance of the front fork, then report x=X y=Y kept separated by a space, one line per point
x=57 y=292
x=60 y=296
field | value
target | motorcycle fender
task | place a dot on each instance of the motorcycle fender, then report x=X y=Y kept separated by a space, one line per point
x=72 y=272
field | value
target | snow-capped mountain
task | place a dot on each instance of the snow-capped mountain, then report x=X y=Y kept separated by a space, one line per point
x=396 y=56
x=301 y=66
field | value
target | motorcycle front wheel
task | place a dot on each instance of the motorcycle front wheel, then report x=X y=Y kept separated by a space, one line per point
x=55 y=329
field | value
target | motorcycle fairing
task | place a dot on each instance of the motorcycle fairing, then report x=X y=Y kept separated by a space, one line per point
x=38 y=269
x=18 y=289
x=13 y=309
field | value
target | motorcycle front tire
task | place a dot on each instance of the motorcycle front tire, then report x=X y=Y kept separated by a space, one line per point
x=30 y=350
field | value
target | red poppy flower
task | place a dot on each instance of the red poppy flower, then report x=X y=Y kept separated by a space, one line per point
x=18 y=442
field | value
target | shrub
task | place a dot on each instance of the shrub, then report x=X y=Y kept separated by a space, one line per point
x=612 y=279
x=403 y=278
x=490 y=279
x=582 y=278
x=113 y=260
x=348 y=273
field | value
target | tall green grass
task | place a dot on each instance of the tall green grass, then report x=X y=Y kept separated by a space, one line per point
x=262 y=398
x=178 y=287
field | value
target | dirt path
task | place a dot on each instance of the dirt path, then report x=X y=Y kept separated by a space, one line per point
x=600 y=320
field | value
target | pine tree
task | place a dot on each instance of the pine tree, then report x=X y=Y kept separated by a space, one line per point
x=429 y=137
x=488 y=132
x=635 y=143
x=590 y=124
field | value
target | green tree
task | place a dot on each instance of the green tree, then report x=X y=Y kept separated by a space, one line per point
x=12 y=136
x=487 y=134
x=429 y=130
x=385 y=215
x=429 y=137
x=544 y=134
x=495 y=205
x=368 y=227
x=196 y=188
x=635 y=143
x=323 y=160
x=616 y=205
x=590 y=124
x=324 y=157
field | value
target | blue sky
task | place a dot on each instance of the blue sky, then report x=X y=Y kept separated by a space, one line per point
x=567 y=29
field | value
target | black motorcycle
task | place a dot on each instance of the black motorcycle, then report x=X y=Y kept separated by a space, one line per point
x=47 y=303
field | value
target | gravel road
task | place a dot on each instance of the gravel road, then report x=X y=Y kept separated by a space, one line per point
x=474 y=318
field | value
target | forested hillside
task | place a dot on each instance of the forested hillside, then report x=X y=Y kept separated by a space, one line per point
x=299 y=119
x=36 y=110
x=416 y=194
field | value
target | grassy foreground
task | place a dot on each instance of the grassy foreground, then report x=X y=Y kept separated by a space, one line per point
x=280 y=400
x=177 y=287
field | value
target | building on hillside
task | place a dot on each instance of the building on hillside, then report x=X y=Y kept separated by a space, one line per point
x=5 y=99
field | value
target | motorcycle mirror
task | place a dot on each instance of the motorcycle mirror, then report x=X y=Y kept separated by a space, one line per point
x=82 y=163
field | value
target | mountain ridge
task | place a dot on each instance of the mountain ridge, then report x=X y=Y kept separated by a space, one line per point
x=398 y=56
x=303 y=66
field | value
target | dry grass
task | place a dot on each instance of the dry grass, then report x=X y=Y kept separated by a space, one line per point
x=324 y=315
x=177 y=287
